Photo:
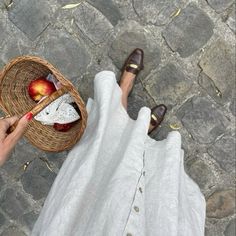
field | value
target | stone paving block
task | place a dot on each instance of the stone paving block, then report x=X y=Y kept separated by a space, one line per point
x=85 y=86
x=11 y=168
x=2 y=219
x=29 y=219
x=168 y=85
x=202 y=120
x=127 y=41
x=30 y=16
x=57 y=158
x=231 y=20
x=2 y=182
x=210 y=87
x=201 y=173
x=92 y=23
x=220 y=5
x=231 y=228
x=2 y=64
x=232 y=107
x=14 y=203
x=156 y=12
x=38 y=179
x=221 y=204
x=137 y=99
x=3 y=35
x=108 y=9
x=218 y=63
x=223 y=151
x=13 y=231
x=69 y=55
x=25 y=152
x=6 y=3
x=189 y=31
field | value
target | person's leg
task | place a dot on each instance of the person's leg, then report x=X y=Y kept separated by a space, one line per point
x=126 y=85
x=132 y=66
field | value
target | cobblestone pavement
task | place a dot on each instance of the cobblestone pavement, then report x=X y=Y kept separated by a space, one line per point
x=189 y=65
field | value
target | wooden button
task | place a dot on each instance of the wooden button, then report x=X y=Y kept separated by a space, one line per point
x=136 y=208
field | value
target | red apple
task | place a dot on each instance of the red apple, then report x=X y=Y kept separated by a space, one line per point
x=39 y=88
x=62 y=127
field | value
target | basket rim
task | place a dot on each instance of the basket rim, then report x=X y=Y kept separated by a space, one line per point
x=64 y=82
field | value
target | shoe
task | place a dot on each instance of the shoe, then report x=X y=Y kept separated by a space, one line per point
x=157 y=116
x=134 y=63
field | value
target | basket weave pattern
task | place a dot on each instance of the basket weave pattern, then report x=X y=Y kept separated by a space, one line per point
x=14 y=100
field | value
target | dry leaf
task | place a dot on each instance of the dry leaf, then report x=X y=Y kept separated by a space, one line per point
x=174 y=14
x=47 y=163
x=70 y=6
x=175 y=126
x=218 y=93
x=9 y=4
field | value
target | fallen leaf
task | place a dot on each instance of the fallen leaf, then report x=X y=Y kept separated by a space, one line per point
x=218 y=93
x=46 y=163
x=175 y=126
x=10 y=4
x=174 y=14
x=70 y=6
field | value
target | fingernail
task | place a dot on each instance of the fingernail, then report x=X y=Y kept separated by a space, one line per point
x=29 y=116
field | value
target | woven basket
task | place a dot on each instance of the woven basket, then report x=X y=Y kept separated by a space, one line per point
x=14 y=100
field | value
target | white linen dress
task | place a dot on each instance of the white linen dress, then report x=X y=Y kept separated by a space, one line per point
x=117 y=181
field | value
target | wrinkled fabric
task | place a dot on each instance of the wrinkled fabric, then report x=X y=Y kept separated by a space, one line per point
x=117 y=181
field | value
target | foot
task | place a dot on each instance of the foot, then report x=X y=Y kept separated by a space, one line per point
x=127 y=82
x=157 y=115
x=132 y=66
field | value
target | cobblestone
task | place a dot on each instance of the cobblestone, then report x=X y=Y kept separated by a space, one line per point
x=156 y=12
x=231 y=20
x=189 y=65
x=2 y=219
x=201 y=173
x=224 y=152
x=29 y=219
x=38 y=179
x=89 y=20
x=133 y=37
x=189 y=31
x=30 y=16
x=168 y=80
x=14 y=203
x=66 y=52
x=231 y=228
x=13 y=231
x=221 y=204
x=216 y=68
x=209 y=121
x=219 y=5
x=108 y=9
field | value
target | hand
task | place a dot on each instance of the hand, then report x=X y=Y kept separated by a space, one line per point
x=8 y=141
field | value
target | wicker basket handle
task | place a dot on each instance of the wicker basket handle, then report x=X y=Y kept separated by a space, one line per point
x=40 y=106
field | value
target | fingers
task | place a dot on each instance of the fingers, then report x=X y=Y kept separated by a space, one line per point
x=13 y=138
x=5 y=125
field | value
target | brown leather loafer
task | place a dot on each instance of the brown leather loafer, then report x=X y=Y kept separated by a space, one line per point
x=134 y=63
x=157 y=115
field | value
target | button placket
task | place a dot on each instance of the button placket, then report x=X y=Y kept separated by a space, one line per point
x=136 y=221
